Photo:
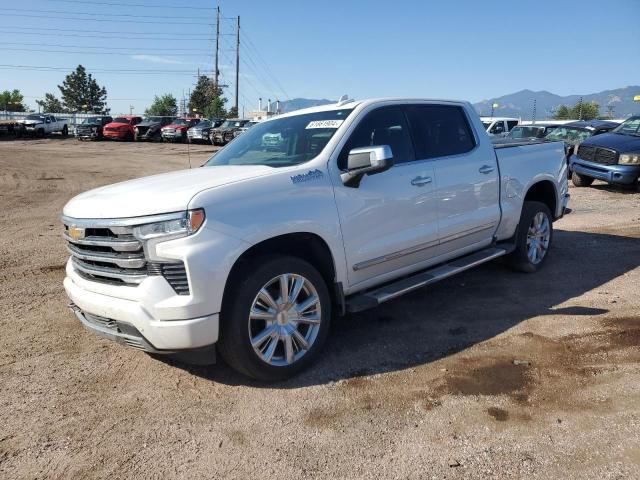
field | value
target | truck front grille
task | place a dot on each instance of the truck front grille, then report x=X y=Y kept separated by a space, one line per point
x=113 y=255
x=605 y=156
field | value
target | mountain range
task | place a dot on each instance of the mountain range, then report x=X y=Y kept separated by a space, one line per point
x=618 y=103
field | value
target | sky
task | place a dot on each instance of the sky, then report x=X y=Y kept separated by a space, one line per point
x=470 y=50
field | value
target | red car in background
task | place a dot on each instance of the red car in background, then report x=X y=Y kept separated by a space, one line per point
x=177 y=131
x=121 y=128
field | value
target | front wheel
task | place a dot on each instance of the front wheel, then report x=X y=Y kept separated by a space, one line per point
x=533 y=238
x=275 y=318
x=581 y=180
x=65 y=131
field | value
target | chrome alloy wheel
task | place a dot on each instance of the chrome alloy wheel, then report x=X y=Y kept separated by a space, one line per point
x=284 y=319
x=538 y=238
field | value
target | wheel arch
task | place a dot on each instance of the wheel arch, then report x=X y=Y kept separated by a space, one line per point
x=308 y=246
x=543 y=191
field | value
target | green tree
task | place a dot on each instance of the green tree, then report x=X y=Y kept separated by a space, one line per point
x=232 y=113
x=50 y=104
x=562 y=113
x=13 y=101
x=585 y=111
x=207 y=100
x=81 y=93
x=164 y=105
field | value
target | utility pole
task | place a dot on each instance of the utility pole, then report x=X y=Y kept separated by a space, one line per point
x=533 y=114
x=580 y=114
x=216 y=72
x=237 y=64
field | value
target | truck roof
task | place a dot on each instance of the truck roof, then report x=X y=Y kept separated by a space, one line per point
x=365 y=102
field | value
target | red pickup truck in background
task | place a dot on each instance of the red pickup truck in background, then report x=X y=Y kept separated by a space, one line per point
x=177 y=130
x=121 y=128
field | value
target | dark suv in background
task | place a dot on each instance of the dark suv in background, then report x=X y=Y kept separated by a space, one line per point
x=613 y=157
x=91 y=128
x=226 y=132
x=150 y=128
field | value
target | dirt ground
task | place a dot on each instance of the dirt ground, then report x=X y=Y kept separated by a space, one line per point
x=490 y=374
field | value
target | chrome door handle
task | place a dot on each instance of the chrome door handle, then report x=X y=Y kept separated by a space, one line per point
x=421 y=181
x=486 y=169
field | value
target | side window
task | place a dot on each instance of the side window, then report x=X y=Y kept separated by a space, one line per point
x=384 y=126
x=511 y=124
x=440 y=130
x=497 y=128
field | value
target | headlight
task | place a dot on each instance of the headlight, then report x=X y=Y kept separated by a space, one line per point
x=629 y=159
x=171 y=226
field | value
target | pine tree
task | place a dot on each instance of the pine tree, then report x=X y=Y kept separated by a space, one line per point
x=50 y=104
x=207 y=100
x=81 y=93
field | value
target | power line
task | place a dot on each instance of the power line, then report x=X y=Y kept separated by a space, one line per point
x=265 y=64
x=103 y=47
x=104 y=20
x=145 y=5
x=100 y=70
x=106 y=52
x=67 y=12
x=173 y=39
x=102 y=31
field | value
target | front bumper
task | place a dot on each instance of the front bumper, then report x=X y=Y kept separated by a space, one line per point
x=165 y=320
x=177 y=135
x=116 y=135
x=90 y=135
x=147 y=135
x=618 y=174
x=129 y=322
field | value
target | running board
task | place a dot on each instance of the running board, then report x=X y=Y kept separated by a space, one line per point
x=375 y=297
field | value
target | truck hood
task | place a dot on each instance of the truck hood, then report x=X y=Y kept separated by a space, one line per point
x=31 y=122
x=621 y=143
x=164 y=193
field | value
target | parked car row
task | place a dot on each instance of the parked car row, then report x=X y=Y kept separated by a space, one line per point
x=160 y=128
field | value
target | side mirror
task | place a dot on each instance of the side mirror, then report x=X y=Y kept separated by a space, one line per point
x=366 y=161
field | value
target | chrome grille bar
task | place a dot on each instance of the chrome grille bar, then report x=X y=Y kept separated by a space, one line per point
x=132 y=260
x=117 y=244
x=126 y=275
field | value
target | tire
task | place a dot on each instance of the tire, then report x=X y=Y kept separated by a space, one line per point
x=40 y=133
x=238 y=328
x=523 y=258
x=581 y=180
x=65 y=131
x=128 y=137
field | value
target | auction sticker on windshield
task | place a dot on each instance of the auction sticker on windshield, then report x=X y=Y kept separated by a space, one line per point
x=325 y=124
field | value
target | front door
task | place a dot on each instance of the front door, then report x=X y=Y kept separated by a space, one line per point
x=389 y=223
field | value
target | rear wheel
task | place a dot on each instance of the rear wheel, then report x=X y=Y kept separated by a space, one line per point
x=533 y=238
x=581 y=180
x=275 y=318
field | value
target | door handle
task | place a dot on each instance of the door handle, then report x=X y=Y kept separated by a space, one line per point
x=486 y=169
x=421 y=181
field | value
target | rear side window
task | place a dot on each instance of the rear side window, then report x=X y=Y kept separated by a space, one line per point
x=384 y=126
x=439 y=130
x=511 y=124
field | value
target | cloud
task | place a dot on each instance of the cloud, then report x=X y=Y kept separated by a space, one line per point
x=155 y=59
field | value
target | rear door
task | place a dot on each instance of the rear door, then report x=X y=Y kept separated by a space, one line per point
x=466 y=175
x=389 y=223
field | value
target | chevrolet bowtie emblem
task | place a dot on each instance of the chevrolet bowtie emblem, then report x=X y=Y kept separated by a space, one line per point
x=76 y=233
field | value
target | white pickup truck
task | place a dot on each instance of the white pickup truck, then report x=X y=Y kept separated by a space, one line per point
x=40 y=125
x=361 y=202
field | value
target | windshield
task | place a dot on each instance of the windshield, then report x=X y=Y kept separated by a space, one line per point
x=526 y=132
x=571 y=135
x=486 y=125
x=153 y=119
x=204 y=124
x=629 y=127
x=283 y=142
x=35 y=117
x=230 y=124
x=92 y=120
x=120 y=120
x=182 y=121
